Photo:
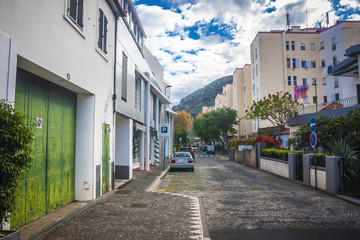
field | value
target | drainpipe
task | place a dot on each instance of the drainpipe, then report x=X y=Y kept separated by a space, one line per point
x=114 y=106
x=147 y=136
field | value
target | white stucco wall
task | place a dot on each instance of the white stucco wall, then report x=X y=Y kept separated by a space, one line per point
x=50 y=46
x=278 y=168
x=321 y=178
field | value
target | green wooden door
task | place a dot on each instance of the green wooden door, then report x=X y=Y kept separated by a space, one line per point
x=45 y=187
x=106 y=159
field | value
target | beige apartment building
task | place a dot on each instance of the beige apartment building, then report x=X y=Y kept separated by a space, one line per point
x=228 y=95
x=207 y=109
x=286 y=61
x=242 y=99
x=219 y=101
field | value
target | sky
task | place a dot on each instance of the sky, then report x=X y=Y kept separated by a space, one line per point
x=199 y=41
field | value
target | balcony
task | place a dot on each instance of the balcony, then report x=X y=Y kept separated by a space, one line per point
x=341 y=103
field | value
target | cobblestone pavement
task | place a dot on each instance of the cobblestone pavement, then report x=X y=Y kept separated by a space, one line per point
x=134 y=213
x=242 y=202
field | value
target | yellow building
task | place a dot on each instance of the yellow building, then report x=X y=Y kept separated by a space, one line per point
x=206 y=109
x=228 y=95
x=242 y=99
x=219 y=101
x=286 y=61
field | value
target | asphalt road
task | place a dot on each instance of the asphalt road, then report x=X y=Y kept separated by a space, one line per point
x=241 y=202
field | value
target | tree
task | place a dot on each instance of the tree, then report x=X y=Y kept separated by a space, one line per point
x=276 y=108
x=216 y=125
x=183 y=120
x=329 y=129
x=15 y=155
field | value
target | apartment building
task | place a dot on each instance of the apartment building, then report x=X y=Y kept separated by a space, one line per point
x=206 y=109
x=228 y=95
x=219 y=101
x=333 y=43
x=286 y=61
x=81 y=71
x=242 y=99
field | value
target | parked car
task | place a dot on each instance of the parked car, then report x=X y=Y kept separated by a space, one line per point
x=182 y=160
x=210 y=149
x=187 y=149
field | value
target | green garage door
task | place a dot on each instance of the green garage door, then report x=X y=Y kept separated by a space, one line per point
x=50 y=181
x=106 y=159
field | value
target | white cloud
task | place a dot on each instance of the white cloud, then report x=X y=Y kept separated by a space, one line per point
x=218 y=57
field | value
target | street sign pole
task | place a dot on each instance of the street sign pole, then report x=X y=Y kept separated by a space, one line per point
x=315 y=168
x=164 y=153
x=313 y=141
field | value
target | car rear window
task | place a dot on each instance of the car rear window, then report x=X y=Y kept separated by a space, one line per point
x=182 y=154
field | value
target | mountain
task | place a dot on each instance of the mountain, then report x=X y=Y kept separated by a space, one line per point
x=205 y=96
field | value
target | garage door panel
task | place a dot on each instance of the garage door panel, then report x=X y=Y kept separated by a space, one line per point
x=69 y=102
x=50 y=181
x=55 y=136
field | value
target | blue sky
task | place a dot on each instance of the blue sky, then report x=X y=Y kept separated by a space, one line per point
x=198 y=41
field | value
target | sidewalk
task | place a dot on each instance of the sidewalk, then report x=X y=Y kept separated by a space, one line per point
x=131 y=211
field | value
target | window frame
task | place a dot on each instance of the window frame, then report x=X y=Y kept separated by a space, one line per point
x=312 y=46
x=336 y=82
x=287 y=45
x=295 y=80
x=333 y=43
x=124 y=77
x=289 y=80
x=288 y=63
x=304 y=81
x=102 y=32
x=138 y=93
x=302 y=46
x=313 y=64
x=293 y=45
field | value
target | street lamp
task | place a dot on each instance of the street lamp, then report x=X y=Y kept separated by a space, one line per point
x=316 y=98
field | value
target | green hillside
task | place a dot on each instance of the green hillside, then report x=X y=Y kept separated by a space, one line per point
x=205 y=96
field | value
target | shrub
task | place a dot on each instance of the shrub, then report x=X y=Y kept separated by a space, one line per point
x=234 y=143
x=278 y=154
x=328 y=129
x=270 y=142
x=15 y=155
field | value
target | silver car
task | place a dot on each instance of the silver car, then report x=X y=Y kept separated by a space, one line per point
x=182 y=160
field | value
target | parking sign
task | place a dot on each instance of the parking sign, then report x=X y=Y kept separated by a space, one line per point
x=164 y=130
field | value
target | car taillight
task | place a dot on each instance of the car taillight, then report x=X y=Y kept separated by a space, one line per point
x=172 y=161
x=190 y=161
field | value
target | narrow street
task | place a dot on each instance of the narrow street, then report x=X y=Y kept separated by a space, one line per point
x=245 y=203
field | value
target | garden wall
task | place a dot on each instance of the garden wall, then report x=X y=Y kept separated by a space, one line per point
x=321 y=177
x=328 y=178
x=274 y=166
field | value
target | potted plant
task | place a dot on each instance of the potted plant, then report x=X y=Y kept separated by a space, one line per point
x=15 y=159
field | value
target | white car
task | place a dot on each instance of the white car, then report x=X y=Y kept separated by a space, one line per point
x=182 y=160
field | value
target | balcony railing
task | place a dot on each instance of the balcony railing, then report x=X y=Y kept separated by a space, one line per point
x=341 y=103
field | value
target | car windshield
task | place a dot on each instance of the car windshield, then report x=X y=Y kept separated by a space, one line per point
x=182 y=154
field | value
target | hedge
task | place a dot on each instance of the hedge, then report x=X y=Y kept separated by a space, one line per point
x=283 y=155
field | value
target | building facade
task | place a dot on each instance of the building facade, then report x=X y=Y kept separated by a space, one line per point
x=242 y=99
x=80 y=70
x=333 y=43
x=287 y=61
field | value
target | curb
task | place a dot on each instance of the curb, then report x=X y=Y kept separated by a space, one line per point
x=157 y=180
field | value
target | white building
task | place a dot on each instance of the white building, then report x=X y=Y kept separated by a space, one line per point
x=81 y=71
x=333 y=43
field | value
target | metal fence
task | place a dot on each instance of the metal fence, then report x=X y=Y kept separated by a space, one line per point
x=341 y=103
